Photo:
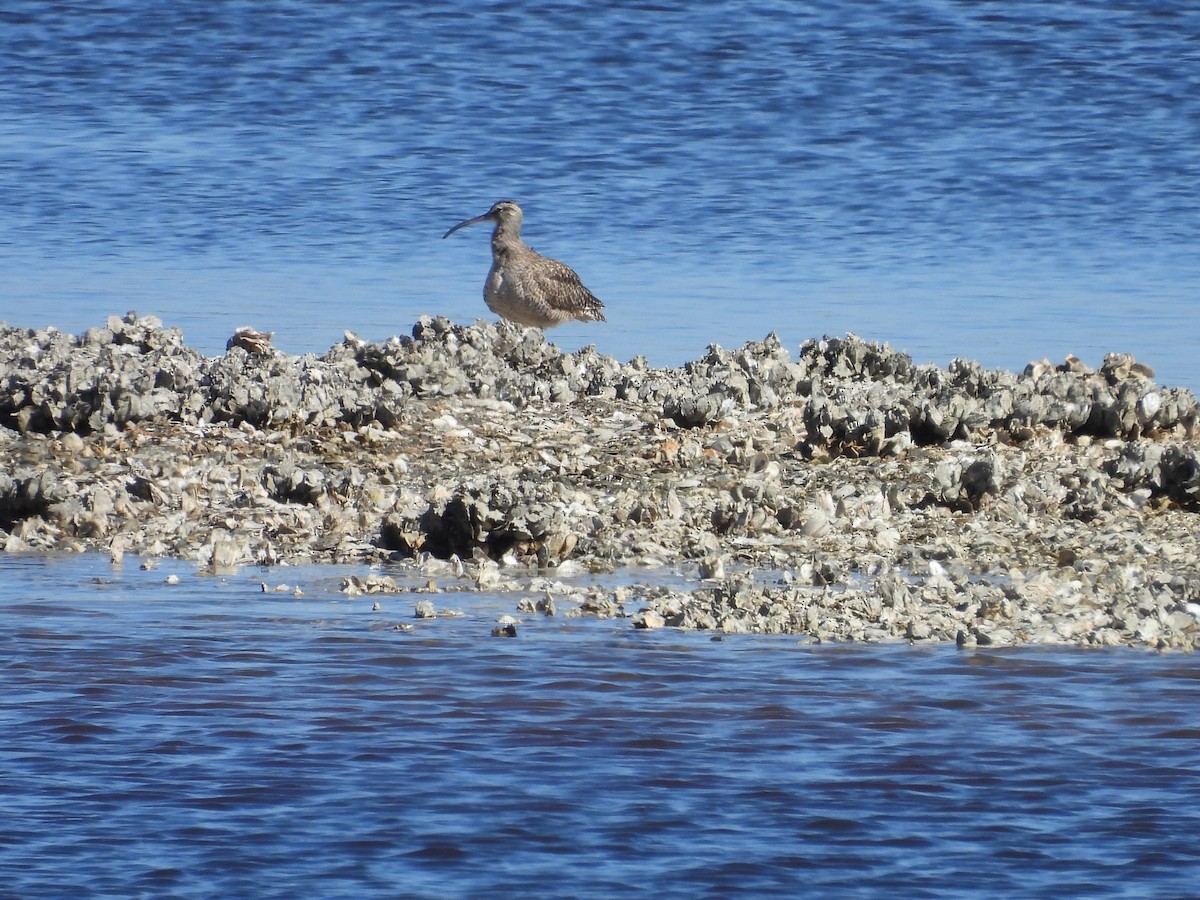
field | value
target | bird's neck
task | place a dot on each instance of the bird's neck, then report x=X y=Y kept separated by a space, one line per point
x=506 y=241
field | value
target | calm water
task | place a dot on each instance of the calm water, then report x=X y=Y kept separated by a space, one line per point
x=999 y=180
x=205 y=739
x=1005 y=181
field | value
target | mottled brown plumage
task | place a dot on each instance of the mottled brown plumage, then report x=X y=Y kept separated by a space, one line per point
x=525 y=287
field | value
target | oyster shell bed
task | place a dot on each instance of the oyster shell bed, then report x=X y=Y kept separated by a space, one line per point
x=845 y=493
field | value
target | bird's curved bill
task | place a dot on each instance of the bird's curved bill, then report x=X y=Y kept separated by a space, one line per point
x=464 y=225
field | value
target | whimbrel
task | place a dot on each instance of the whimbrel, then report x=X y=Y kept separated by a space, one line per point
x=525 y=287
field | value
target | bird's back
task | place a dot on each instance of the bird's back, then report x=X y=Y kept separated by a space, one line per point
x=535 y=290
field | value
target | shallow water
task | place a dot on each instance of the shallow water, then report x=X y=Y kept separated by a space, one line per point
x=207 y=739
x=999 y=181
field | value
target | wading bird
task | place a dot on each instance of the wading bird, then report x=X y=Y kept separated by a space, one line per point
x=525 y=287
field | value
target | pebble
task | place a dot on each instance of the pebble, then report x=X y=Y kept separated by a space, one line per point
x=506 y=626
x=843 y=493
x=649 y=619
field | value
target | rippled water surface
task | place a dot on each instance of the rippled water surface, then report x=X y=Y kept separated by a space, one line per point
x=206 y=739
x=1004 y=181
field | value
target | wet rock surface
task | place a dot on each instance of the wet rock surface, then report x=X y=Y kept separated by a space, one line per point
x=844 y=493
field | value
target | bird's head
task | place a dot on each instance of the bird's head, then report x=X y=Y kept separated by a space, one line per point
x=505 y=213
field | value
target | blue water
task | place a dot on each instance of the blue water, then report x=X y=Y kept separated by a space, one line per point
x=205 y=739
x=1003 y=181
